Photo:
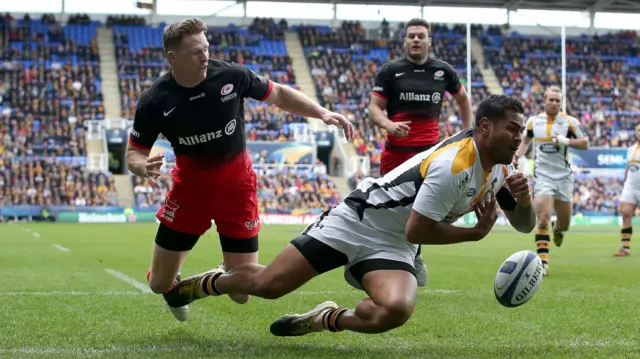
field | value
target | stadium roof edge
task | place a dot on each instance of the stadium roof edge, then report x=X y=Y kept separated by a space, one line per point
x=614 y=6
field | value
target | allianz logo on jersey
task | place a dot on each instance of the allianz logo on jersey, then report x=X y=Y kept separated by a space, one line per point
x=418 y=97
x=209 y=136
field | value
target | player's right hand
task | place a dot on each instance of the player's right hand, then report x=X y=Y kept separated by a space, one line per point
x=399 y=129
x=153 y=166
x=487 y=215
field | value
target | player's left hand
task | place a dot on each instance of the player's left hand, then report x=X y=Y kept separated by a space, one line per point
x=518 y=186
x=336 y=119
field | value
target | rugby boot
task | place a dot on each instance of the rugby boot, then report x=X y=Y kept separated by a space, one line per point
x=188 y=290
x=622 y=253
x=180 y=312
x=300 y=324
x=558 y=236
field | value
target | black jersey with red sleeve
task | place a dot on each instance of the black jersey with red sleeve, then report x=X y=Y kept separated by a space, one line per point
x=415 y=93
x=204 y=124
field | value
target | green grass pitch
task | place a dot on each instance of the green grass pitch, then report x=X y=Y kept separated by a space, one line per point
x=63 y=297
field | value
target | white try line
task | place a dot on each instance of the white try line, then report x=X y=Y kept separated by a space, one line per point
x=424 y=291
x=125 y=278
x=127 y=293
x=60 y=248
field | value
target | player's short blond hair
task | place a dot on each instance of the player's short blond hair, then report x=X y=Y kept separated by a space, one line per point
x=553 y=89
x=173 y=34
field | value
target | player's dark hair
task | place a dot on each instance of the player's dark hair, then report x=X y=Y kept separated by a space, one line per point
x=416 y=22
x=495 y=108
x=173 y=33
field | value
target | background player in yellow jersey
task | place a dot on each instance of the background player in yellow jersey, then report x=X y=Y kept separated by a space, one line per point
x=630 y=196
x=553 y=133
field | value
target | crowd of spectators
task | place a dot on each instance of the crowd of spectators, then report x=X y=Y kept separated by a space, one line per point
x=49 y=181
x=49 y=85
x=601 y=87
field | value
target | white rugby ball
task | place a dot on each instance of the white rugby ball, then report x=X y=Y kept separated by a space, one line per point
x=518 y=279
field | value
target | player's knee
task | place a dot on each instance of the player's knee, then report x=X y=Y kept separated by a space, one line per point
x=543 y=220
x=393 y=314
x=159 y=287
x=240 y=298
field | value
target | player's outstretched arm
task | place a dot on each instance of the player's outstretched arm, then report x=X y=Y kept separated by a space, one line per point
x=424 y=230
x=515 y=201
x=298 y=103
x=438 y=193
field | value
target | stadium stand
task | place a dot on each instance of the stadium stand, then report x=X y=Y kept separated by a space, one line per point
x=344 y=62
x=51 y=85
x=602 y=90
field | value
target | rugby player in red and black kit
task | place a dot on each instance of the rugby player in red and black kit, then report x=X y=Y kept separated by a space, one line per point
x=411 y=89
x=199 y=108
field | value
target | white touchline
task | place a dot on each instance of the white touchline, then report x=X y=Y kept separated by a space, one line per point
x=60 y=248
x=125 y=278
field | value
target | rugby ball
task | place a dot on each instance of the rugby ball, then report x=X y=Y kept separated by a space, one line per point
x=518 y=279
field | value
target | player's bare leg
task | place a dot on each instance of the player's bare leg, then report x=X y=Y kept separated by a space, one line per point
x=165 y=267
x=544 y=206
x=287 y=272
x=237 y=252
x=169 y=253
x=392 y=297
x=232 y=261
x=627 y=210
x=563 y=213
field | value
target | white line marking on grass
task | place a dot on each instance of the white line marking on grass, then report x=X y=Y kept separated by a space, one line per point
x=322 y=292
x=125 y=278
x=35 y=234
x=56 y=293
x=424 y=291
x=60 y=248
